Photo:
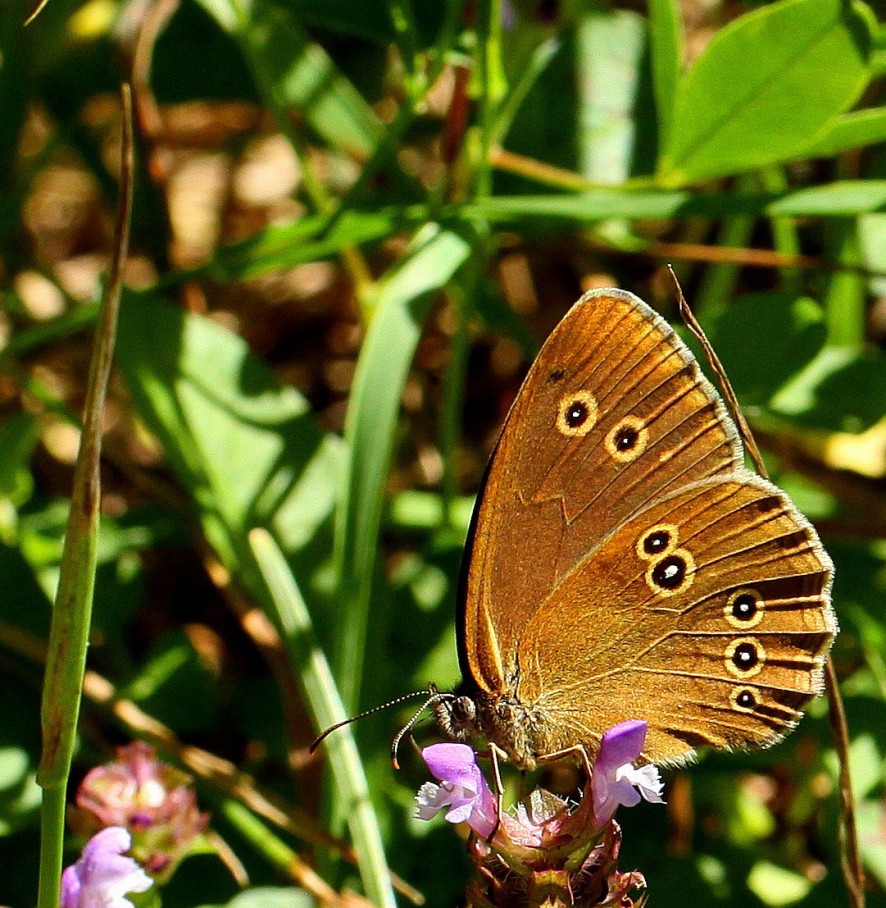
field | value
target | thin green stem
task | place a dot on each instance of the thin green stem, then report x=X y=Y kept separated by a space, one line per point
x=71 y=616
x=491 y=87
x=453 y=395
x=845 y=299
x=719 y=281
x=784 y=230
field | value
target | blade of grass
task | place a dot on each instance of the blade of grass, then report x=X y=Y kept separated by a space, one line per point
x=400 y=309
x=69 y=631
x=666 y=46
x=309 y=663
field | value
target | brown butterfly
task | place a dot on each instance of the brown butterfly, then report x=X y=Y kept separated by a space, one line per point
x=624 y=564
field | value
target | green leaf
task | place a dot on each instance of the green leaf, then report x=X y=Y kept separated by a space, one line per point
x=870 y=834
x=872 y=244
x=852 y=130
x=294 y=71
x=765 y=86
x=790 y=331
x=19 y=435
x=284 y=246
x=401 y=306
x=290 y=613
x=841 y=199
x=246 y=447
x=268 y=897
x=19 y=793
x=666 y=47
x=301 y=74
x=839 y=390
x=777 y=886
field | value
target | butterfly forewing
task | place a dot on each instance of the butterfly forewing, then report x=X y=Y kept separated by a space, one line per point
x=613 y=413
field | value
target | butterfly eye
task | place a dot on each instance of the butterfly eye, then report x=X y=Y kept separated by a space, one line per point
x=628 y=439
x=577 y=414
x=671 y=574
x=745 y=657
x=744 y=609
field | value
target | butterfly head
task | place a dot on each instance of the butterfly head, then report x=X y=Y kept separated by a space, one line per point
x=456 y=715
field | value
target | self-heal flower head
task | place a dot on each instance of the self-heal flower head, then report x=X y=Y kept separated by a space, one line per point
x=102 y=876
x=463 y=789
x=151 y=799
x=615 y=781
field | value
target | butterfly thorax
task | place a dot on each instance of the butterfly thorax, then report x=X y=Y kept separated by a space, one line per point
x=521 y=732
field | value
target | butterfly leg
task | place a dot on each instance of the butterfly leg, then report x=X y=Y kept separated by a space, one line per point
x=576 y=750
x=496 y=754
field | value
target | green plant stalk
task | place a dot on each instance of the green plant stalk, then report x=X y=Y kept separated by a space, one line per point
x=69 y=631
x=453 y=398
x=403 y=20
x=492 y=85
x=845 y=298
x=718 y=284
x=784 y=230
x=312 y=670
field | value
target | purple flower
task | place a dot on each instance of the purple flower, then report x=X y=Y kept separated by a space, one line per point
x=151 y=799
x=463 y=789
x=615 y=780
x=102 y=876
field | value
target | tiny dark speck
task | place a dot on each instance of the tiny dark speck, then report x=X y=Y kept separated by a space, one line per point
x=556 y=375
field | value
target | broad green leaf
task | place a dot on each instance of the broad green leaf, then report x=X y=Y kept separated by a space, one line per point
x=268 y=897
x=402 y=303
x=839 y=390
x=245 y=447
x=300 y=73
x=786 y=332
x=765 y=86
x=852 y=130
x=666 y=48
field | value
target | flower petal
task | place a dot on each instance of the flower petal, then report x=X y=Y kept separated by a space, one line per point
x=450 y=762
x=621 y=744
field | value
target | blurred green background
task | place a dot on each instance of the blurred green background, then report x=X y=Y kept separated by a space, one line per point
x=355 y=222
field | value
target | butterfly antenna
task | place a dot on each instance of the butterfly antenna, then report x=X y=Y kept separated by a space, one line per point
x=375 y=709
x=744 y=429
x=434 y=696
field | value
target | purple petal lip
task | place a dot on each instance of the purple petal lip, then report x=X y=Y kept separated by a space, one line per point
x=450 y=762
x=623 y=743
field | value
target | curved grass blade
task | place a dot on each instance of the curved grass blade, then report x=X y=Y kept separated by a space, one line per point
x=287 y=606
x=401 y=306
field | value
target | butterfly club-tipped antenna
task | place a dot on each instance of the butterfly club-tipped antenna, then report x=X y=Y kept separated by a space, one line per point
x=431 y=694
